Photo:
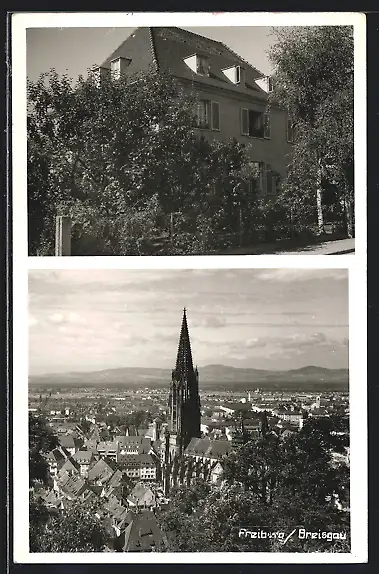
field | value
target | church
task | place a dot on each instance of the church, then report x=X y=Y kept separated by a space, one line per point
x=184 y=454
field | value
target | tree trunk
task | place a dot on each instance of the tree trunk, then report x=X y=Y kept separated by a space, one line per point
x=320 y=215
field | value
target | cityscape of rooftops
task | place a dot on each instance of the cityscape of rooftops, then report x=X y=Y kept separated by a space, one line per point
x=153 y=389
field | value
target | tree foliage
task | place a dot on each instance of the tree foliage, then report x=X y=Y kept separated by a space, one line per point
x=314 y=82
x=121 y=157
x=269 y=483
x=41 y=442
x=74 y=529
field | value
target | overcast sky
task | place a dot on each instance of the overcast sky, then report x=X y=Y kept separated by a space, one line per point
x=74 y=50
x=86 y=320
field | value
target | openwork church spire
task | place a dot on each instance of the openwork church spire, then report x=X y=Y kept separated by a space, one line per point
x=184 y=401
x=184 y=363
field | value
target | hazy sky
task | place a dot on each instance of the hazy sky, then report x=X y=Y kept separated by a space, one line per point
x=263 y=318
x=74 y=50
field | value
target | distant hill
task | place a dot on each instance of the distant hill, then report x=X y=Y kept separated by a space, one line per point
x=210 y=375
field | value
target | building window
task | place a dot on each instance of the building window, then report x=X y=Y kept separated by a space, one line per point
x=252 y=123
x=215 y=113
x=270 y=181
x=290 y=130
x=202 y=66
x=238 y=74
x=270 y=84
x=208 y=115
x=119 y=66
x=267 y=126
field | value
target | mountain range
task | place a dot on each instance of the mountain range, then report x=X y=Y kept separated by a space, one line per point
x=210 y=375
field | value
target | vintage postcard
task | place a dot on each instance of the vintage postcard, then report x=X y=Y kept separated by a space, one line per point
x=207 y=400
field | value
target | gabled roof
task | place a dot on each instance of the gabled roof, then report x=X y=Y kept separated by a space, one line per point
x=116 y=479
x=70 y=465
x=74 y=486
x=166 y=49
x=55 y=455
x=142 y=495
x=208 y=448
x=101 y=470
x=69 y=441
x=113 y=507
x=128 y=443
x=143 y=534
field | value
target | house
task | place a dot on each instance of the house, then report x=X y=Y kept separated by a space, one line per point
x=101 y=471
x=70 y=467
x=133 y=444
x=216 y=472
x=141 y=466
x=115 y=510
x=84 y=458
x=72 y=487
x=142 y=534
x=292 y=416
x=55 y=460
x=143 y=496
x=71 y=444
x=232 y=95
x=108 y=449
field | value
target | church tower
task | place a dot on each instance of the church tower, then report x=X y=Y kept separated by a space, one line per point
x=184 y=401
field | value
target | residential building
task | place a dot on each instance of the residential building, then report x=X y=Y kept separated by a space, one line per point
x=232 y=96
x=141 y=466
x=133 y=445
x=55 y=460
x=84 y=458
x=142 y=534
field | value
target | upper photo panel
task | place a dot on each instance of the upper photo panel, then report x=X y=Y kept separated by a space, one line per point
x=190 y=141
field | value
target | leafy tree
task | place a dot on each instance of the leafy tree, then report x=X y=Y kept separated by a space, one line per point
x=314 y=83
x=270 y=484
x=256 y=466
x=74 y=529
x=119 y=157
x=41 y=442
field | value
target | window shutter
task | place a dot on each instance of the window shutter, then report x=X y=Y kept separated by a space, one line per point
x=245 y=121
x=269 y=179
x=267 y=124
x=215 y=116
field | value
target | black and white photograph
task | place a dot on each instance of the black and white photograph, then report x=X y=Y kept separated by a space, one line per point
x=189 y=410
x=190 y=140
x=188 y=384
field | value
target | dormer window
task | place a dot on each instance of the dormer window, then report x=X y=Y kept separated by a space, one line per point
x=198 y=64
x=266 y=83
x=202 y=65
x=100 y=74
x=119 y=66
x=236 y=74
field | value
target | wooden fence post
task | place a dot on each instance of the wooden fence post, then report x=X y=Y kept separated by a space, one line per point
x=62 y=235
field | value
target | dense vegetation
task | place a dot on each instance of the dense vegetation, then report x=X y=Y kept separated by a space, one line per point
x=271 y=484
x=122 y=160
